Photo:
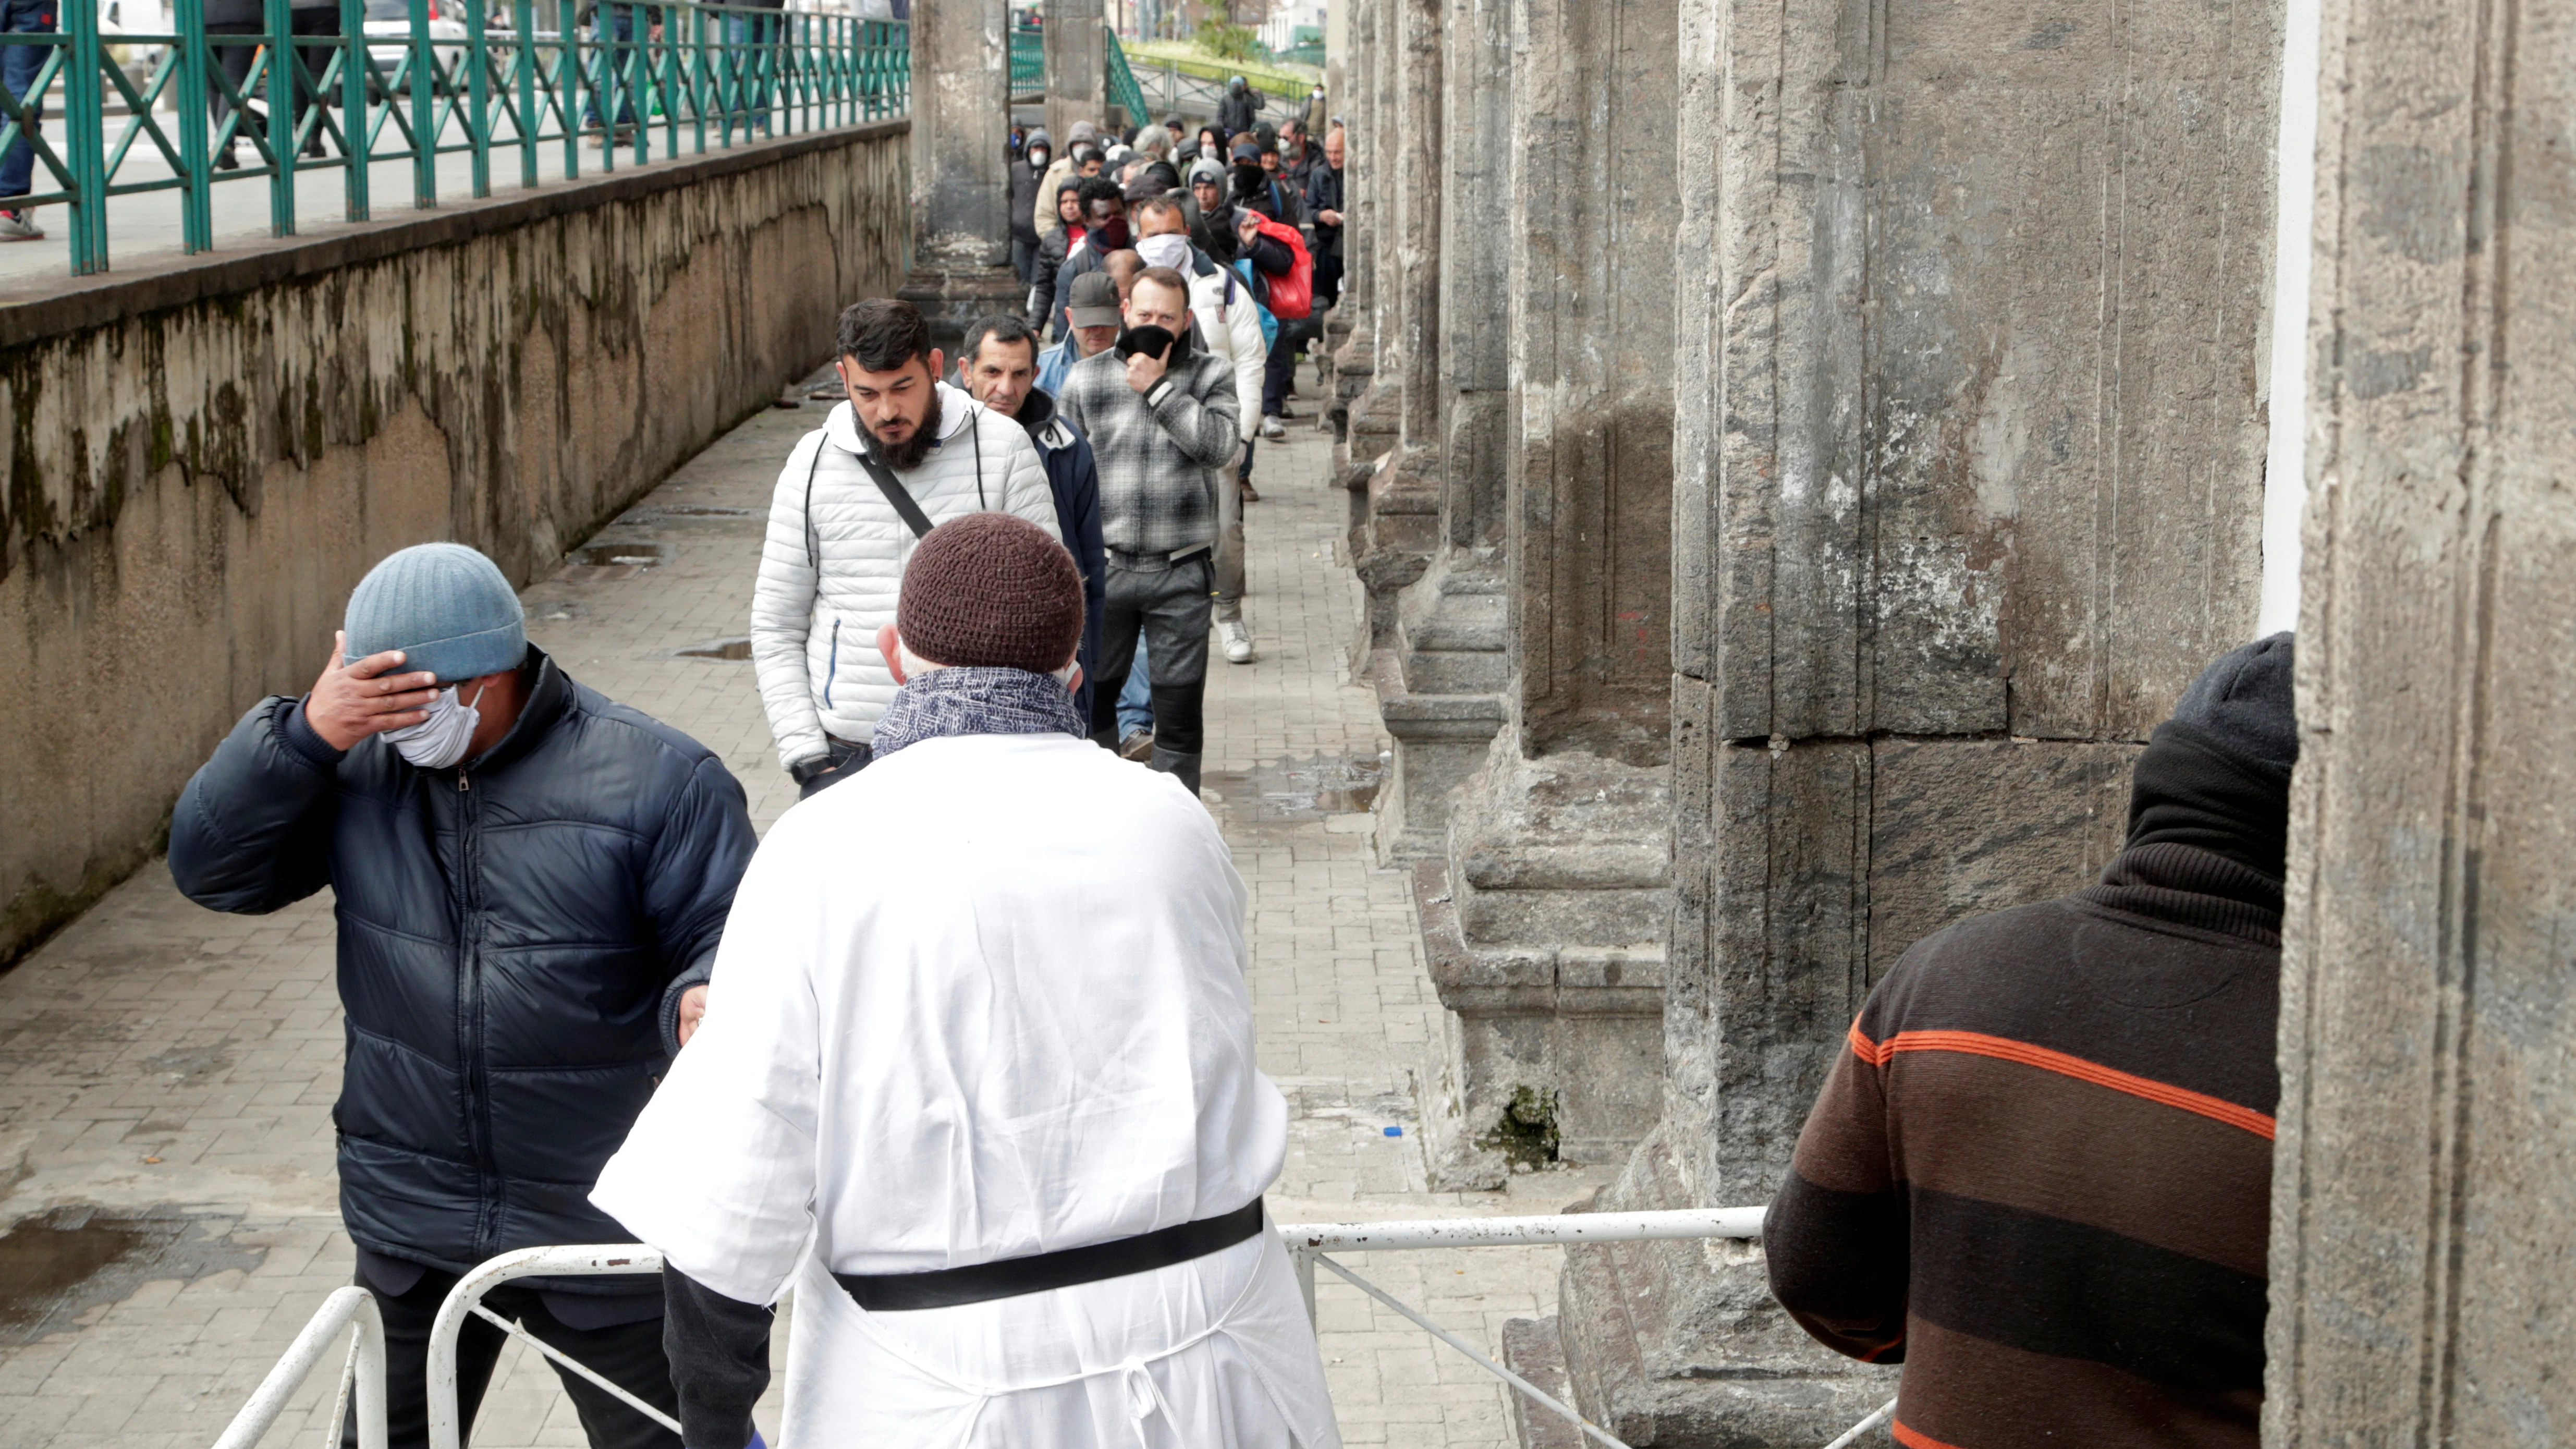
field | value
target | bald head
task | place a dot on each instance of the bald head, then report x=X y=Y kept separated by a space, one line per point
x=1122 y=268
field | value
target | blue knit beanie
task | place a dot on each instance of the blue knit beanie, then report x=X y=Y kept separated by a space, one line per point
x=445 y=606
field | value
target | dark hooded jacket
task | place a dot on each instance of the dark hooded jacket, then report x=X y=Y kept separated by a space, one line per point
x=1052 y=249
x=1026 y=173
x=514 y=936
x=1236 y=111
x=1075 y=480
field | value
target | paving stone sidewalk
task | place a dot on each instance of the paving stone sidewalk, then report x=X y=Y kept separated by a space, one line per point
x=166 y=1073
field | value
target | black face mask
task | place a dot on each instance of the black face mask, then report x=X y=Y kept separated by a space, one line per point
x=1248 y=178
x=1151 y=341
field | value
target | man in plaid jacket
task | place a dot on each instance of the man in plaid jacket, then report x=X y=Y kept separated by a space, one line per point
x=1162 y=421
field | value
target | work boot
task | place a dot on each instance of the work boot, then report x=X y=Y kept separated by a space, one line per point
x=1184 y=768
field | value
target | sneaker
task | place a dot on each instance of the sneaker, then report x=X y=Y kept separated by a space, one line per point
x=1273 y=429
x=1237 y=640
x=1138 y=746
x=19 y=226
x=1246 y=491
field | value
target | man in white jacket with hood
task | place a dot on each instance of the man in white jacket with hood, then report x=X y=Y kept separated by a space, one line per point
x=904 y=454
x=976 y=1079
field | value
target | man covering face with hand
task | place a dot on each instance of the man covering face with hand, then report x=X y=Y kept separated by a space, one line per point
x=1160 y=415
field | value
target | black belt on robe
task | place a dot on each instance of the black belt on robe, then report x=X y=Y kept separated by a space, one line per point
x=1065 y=1268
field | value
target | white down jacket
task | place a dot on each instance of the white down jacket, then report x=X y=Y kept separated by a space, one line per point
x=830 y=574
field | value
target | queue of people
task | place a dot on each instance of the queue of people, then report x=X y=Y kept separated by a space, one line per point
x=963 y=1054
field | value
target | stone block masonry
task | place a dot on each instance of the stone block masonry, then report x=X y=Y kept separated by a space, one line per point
x=205 y=457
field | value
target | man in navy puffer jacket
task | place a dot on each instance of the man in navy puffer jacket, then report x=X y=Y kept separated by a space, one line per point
x=529 y=883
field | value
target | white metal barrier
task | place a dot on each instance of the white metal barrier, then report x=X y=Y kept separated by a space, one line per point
x=350 y=1308
x=1309 y=1245
x=466 y=1298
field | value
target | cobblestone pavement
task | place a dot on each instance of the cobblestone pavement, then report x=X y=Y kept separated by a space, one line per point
x=166 y=1073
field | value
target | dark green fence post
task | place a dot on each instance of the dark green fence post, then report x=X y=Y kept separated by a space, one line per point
x=357 y=87
x=569 y=81
x=423 y=75
x=84 y=134
x=196 y=201
x=478 y=96
x=523 y=24
x=277 y=77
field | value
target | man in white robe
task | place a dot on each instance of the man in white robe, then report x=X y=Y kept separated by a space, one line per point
x=976 y=1080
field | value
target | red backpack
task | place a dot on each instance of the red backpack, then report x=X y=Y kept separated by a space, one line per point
x=1292 y=294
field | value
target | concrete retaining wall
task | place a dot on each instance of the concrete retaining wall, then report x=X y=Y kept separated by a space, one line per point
x=203 y=459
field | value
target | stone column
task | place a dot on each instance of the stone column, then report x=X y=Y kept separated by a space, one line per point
x=1369 y=425
x=1441 y=668
x=1399 y=525
x=1077 y=66
x=961 y=240
x=1546 y=920
x=1350 y=334
x=2421 y=1193
x=1968 y=484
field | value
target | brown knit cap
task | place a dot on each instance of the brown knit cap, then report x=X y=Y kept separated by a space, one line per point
x=991 y=589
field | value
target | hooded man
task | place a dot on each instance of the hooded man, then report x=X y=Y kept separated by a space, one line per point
x=998 y=366
x=528 y=881
x=2040 y=1174
x=903 y=453
x=1027 y=177
x=1241 y=103
x=977 y=1080
x=1081 y=136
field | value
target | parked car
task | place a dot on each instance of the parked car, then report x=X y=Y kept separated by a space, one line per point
x=389 y=37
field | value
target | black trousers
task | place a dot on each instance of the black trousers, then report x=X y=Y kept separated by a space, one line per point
x=626 y=1354
x=1171 y=608
x=234 y=58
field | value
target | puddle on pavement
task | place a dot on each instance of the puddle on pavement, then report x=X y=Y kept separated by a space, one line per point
x=718 y=649
x=1298 y=789
x=599 y=563
x=57 y=1265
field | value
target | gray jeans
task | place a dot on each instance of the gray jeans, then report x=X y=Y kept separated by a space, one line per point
x=1169 y=607
x=1229 y=544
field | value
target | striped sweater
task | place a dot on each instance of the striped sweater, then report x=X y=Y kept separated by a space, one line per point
x=2039 y=1176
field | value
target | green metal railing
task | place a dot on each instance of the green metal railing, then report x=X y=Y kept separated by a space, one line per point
x=1123 y=90
x=413 y=91
x=1028 y=61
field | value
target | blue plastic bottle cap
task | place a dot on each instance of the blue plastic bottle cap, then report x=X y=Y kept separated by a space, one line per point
x=1395 y=1132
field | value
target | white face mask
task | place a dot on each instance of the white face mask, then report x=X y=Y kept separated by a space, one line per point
x=1171 y=249
x=440 y=740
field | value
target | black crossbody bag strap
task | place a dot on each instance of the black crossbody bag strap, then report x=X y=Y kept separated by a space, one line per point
x=898 y=495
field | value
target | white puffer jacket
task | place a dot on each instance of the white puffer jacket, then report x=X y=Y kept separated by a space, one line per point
x=814 y=630
x=1230 y=323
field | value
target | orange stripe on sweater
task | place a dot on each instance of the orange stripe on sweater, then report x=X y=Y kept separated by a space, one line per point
x=1977 y=1043
x=1916 y=1438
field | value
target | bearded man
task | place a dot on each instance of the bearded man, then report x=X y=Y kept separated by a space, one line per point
x=905 y=453
x=976 y=1077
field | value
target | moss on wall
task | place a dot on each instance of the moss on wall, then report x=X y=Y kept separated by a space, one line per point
x=192 y=489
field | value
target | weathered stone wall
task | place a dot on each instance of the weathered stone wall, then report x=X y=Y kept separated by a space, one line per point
x=1968 y=484
x=203 y=460
x=2423 y=1216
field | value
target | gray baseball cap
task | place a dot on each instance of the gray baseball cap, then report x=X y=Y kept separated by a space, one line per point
x=1093 y=302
